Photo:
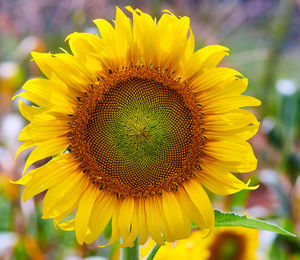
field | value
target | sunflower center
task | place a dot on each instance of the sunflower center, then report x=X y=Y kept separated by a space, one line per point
x=137 y=133
x=140 y=135
x=228 y=246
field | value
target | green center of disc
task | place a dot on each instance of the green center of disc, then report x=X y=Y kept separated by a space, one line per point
x=140 y=134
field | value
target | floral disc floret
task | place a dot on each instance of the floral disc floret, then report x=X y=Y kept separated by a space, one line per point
x=137 y=132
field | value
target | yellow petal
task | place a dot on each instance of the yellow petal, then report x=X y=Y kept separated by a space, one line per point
x=105 y=28
x=40 y=87
x=101 y=214
x=220 y=181
x=123 y=30
x=68 y=225
x=125 y=216
x=213 y=57
x=152 y=221
x=29 y=112
x=84 y=212
x=197 y=205
x=25 y=179
x=201 y=61
x=239 y=123
x=47 y=176
x=234 y=120
x=42 y=130
x=117 y=42
x=66 y=68
x=25 y=145
x=213 y=79
x=88 y=49
x=178 y=222
x=190 y=44
x=142 y=222
x=222 y=106
x=231 y=86
x=244 y=133
x=238 y=154
x=171 y=49
x=129 y=241
x=143 y=34
x=33 y=97
x=115 y=233
x=46 y=149
x=63 y=198
x=51 y=94
x=165 y=227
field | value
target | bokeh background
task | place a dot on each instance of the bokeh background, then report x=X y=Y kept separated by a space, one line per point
x=264 y=39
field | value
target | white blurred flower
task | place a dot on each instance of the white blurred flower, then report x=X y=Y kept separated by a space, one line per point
x=7 y=240
x=95 y=258
x=91 y=30
x=286 y=87
x=6 y=160
x=266 y=239
x=268 y=176
x=267 y=124
x=27 y=45
x=10 y=128
x=8 y=69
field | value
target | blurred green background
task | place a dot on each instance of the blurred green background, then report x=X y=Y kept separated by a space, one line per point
x=264 y=41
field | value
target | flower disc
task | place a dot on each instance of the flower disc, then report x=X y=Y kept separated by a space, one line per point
x=135 y=134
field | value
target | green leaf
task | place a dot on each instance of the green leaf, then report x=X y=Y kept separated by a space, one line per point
x=230 y=219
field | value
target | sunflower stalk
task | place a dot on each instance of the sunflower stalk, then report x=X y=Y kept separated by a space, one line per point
x=153 y=252
x=131 y=253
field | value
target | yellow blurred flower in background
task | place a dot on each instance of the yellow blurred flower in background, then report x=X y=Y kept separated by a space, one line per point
x=225 y=243
x=10 y=190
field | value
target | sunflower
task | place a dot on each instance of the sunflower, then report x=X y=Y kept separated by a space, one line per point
x=224 y=243
x=136 y=122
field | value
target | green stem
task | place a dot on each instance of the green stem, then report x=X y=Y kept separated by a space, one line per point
x=131 y=253
x=279 y=35
x=153 y=252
